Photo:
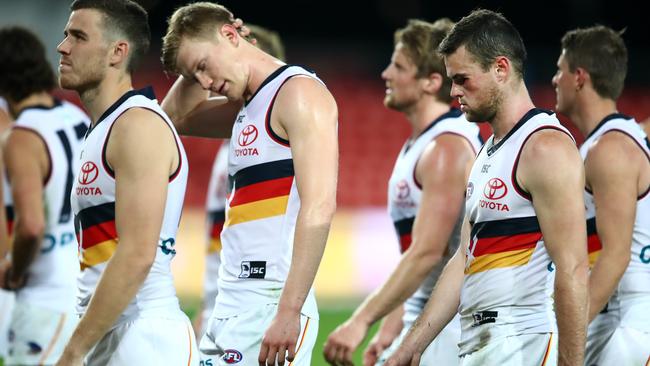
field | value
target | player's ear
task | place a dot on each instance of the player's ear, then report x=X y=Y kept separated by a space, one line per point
x=119 y=52
x=230 y=32
x=432 y=83
x=501 y=68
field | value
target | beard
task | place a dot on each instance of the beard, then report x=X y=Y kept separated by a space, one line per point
x=391 y=102
x=83 y=77
x=488 y=110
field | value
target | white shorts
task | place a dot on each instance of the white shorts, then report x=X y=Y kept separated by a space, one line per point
x=148 y=340
x=7 y=299
x=443 y=350
x=626 y=346
x=238 y=339
x=38 y=335
x=523 y=350
x=599 y=332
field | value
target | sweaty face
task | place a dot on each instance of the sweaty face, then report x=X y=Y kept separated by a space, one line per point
x=84 y=51
x=210 y=64
x=476 y=89
x=402 y=86
x=564 y=82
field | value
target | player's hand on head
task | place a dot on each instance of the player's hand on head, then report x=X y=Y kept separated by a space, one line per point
x=244 y=31
x=279 y=341
x=343 y=341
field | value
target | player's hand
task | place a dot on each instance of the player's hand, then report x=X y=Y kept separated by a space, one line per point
x=376 y=347
x=244 y=31
x=404 y=356
x=343 y=341
x=70 y=359
x=279 y=341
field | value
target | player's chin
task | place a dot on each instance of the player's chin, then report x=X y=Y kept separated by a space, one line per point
x=66 y=82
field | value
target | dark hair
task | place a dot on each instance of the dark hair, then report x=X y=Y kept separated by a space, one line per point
x=123 y=18
x=25 y=69
x=601 y=51
x=486 y=35
x=420 y=41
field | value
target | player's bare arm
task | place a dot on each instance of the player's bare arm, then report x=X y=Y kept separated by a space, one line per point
x=551 y=170
x=195 y=112
x=143 y=153
x=438 y=312
x=612 y=171
x=442 y=171
x=27 y=163
x=305 y=113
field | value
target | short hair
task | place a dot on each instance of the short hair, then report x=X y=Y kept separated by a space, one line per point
x=24 y=65
x=268 y=41
x=123 y=18
x=487 y=35
x=195 y=21
x=420 y=41
x=601 y=51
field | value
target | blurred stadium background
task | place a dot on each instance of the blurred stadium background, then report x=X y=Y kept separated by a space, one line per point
x=348 y=44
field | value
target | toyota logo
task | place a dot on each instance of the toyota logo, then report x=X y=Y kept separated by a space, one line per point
x=247 y=136
x=403 y=190
x=495 y=189
x=88 y=173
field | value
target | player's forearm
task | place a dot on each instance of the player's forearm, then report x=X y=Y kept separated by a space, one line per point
x=312 y=229
x=23 y=253
x=604 y=278
x=400 y=285
x=183 y=97
x=122 y=277
x=441 y=307
x=392 y=324
x=571 y=300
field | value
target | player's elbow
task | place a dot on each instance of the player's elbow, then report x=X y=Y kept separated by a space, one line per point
x=30 y=229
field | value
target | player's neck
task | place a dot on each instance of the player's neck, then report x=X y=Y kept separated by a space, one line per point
x=97 y=100
x=260 y=67
x=513 y=106
x=36 y=99
x=590 y=110
x=423 y=113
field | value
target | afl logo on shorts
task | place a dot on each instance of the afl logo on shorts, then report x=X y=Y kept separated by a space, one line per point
x=88 y=173
x=231 y=356
x=495 y=189
x=247 y=136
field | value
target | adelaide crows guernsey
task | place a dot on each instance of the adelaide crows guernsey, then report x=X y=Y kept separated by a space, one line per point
x=404 y=196
x=53 y=274
x=635 y=282
x=508 y=284
x=262 y=209
x=93 y=200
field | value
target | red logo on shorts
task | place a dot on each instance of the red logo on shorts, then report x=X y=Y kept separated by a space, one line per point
x=231 y=356
x=88 y=173
x=247 y=136
x=495 y=189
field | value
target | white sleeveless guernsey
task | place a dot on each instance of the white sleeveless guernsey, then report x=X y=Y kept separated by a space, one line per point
x=93 y=200
x=53 y=274
x=636 y=279
x=216 y=215
x=508 y=283
x=261 y=212
x=404 y=196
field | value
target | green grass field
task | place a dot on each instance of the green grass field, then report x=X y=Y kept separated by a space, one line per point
x=331 y=315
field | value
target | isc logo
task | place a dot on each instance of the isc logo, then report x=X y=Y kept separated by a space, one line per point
x=231 y=356
x=253 y=269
